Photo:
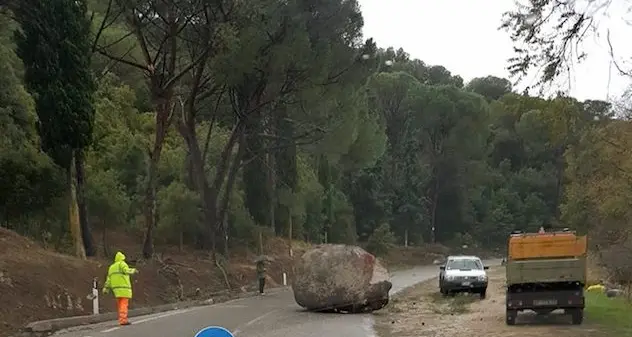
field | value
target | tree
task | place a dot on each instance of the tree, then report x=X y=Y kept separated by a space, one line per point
x=549 y=35
x=490 y=87
x=158 y=38
x=55 y=46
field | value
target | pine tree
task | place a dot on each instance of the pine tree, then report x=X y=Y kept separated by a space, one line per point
x=55 y=45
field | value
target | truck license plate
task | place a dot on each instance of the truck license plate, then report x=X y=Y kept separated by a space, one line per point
x=466 y=284
x=545 y=302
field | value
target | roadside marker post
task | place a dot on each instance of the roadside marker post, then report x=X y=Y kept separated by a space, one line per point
x=95 y=296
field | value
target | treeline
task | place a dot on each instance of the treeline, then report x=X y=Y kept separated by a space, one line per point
x=212 y=122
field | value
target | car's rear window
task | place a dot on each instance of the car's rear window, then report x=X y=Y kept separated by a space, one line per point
x=464 y=264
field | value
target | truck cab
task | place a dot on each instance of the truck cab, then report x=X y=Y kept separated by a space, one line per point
x=546 y=271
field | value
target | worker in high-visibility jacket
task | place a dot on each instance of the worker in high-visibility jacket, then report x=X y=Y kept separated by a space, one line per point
x=118 y=281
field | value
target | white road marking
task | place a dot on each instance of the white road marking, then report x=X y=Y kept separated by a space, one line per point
x=261 y=317
x=237 y=331
x=227 y=304
x=148 y=319
x=171 y=313
x=234 y=306
x=111 y=329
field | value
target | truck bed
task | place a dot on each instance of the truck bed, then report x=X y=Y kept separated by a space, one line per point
x=550 y=245
x=546 y=270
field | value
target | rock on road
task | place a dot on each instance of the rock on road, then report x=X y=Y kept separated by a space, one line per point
x=272 y=315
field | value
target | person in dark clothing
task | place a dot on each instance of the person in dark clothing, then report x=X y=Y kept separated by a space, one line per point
x=261 y=273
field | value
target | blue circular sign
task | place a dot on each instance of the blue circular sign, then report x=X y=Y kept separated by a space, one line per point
x=214 y=331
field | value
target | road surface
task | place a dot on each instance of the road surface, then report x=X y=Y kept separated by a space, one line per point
x=273 y=315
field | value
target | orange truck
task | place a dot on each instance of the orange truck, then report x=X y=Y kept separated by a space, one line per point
x=546 y=271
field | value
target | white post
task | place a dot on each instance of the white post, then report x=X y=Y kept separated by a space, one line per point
x=95 y=297
x=284 y=279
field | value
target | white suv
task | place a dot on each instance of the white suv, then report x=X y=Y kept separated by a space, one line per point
x=463 y=274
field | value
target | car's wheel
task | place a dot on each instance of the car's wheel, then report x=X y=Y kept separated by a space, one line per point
x=483 y=293
x=577 y=316
x=510 y=316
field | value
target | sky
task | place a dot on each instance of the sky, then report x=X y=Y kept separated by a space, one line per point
x=463 y=36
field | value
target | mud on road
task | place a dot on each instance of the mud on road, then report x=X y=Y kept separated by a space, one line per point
x=422 y=312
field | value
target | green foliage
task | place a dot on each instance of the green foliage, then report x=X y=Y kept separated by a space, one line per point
x=55 y=45
x=179 y=207
x=108 y=202
x=381 y=240
x=30 y=182
x=490 y=87
x=335 y=148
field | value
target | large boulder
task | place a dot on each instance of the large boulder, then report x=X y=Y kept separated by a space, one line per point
x=340 y=278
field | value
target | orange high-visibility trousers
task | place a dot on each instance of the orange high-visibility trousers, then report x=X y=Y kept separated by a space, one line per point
x=122 y=305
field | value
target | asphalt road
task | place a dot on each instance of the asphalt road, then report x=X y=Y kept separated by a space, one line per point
x=271 y=315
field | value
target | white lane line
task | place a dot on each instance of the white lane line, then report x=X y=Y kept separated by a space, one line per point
x=111 y=329
x=226 y=304
x=148 y=319
x=261 y=317
x=236 y=332
x=171 y=313
x=233 y=306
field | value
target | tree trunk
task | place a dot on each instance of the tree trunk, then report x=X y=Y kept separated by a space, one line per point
x=181 y=240
x=162 y=123
x=230 y=182
x=406 y=238
x=200 y=182
x=559 y=178
x=435 y=202
x=289 y=235
x=209 y=194
x=86 y=233
x=150 y=207
x=75 y=227
x=271 y=168
x=104 y=240
x=255 y=177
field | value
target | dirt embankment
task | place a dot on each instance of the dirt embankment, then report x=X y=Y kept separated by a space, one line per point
x=422 y=312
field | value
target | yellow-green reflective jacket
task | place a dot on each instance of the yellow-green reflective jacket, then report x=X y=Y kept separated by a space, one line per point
x=118 y=280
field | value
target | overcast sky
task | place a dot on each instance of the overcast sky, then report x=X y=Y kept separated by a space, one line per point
x=463 y=36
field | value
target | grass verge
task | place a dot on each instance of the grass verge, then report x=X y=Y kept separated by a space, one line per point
x=613 y=314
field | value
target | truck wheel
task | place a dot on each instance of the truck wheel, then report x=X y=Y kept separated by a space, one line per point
x=483 y=293
x=510 y=316
x=577 y=316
